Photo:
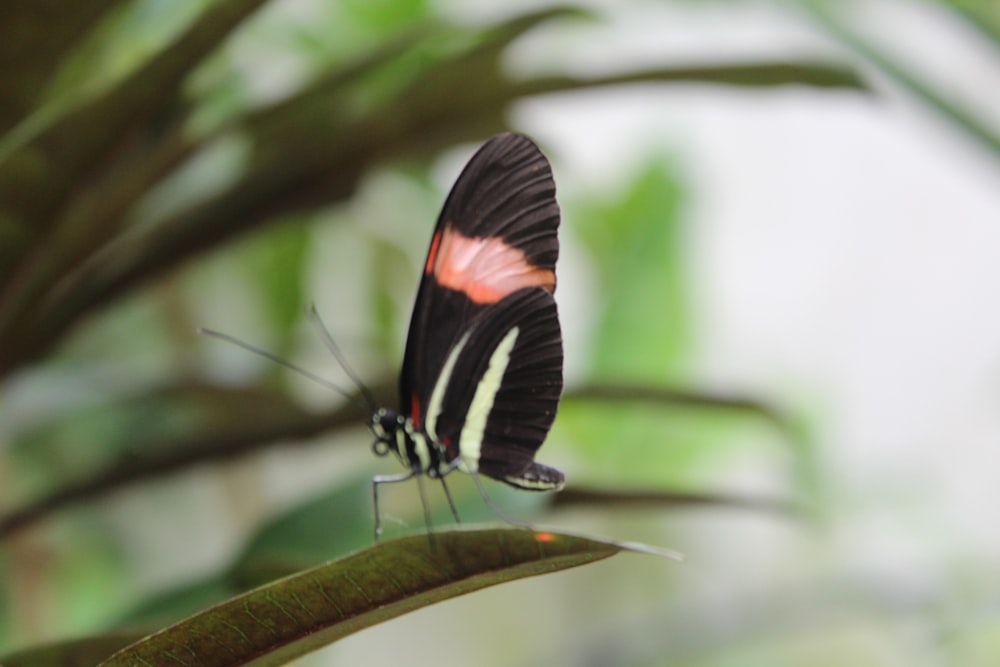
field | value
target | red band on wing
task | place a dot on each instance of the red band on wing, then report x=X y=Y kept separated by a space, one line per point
x=485 y=269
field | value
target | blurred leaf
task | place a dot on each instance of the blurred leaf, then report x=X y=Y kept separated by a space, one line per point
x=309 y=150
x=631 y=499
x=53 y=174
x=92 y=571
x=387 y=15
x=906 y=77
x=668 y=398
x=636 y=247
x=818 y=74
x=643 y=337
x=220 y=423
x=383 y=310
x=6 y=565
x=983 y=15
x=66 y=151
x=37 y=37
x=122 y=42
x=322 y=165
x=233 y=423
x=301 y=613
x=276 y=265
x=111 y=185
x=636 y=445
x=731 y=414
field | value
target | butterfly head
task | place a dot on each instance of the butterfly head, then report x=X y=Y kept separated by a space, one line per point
x=387 y=426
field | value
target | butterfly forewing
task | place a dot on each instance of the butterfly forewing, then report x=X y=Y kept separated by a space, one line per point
x=506 y=191
x=496 y=235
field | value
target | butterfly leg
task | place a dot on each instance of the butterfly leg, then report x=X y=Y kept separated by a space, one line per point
x=451 y=503
x=392 y=479
x=427 y=505
x=440 y=474
x=496 y=508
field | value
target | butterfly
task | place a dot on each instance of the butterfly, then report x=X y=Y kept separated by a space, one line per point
x=482 y=371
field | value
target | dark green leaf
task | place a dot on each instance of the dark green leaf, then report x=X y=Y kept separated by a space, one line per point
x=294 y=616
x=75 y=653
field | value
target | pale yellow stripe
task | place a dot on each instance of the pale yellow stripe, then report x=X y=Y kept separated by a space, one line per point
x=471 y=442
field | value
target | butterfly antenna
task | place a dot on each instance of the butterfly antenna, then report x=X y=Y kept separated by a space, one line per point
x=211 y=333
x=335 y=349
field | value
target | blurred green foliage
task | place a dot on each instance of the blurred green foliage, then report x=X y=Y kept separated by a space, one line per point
x=637 y=244
x=167 y=165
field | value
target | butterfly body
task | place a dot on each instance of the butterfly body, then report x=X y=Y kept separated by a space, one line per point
x=482 y=372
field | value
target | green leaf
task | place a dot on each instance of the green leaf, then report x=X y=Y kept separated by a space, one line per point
x=74 y=653
x=294 y=616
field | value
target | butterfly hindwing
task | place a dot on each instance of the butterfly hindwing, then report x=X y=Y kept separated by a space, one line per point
x=499 y=389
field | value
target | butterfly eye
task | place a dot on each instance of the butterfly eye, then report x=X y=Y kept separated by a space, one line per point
x=385 y=424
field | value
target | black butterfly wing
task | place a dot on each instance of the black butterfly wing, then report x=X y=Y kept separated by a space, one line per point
x=498 y=391
x=496 y=234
